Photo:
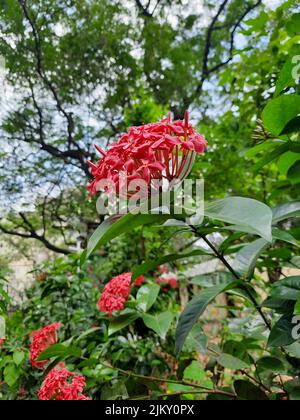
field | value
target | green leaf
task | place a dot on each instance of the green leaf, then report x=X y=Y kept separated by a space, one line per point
x=270 y=157
x=284 y=236
x=160 y=323
x=281 y=334
x=279 y=112
x=60 y=350
x=293 y=25
x=241 y=211
x=294 y=173
x=246 y=390
x=292 y=126
x=231 y=362
x=87 y=333
x=11 y=374
x=115 y=226
x=151 y=265
x=245 y=260
x=146 y=296
x=212 y=279
x=196 y=340
x=122 y=321
x=286 y=161
x=271 y=364
x=194 y=309
x=196 y=374
x=116 y=391
x=289 y=289
x=265 y=146
x=18 y=357
x=286 y=211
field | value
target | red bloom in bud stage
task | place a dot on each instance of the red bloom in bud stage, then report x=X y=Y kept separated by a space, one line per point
x=62 y=385
x=168 y=279
x=41 y=340
x=163 y=150
x=116 y=293
x=139 y=281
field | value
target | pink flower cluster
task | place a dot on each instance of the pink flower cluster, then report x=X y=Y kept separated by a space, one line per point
x=116 y=293
x=163 y=150
x=62 y=385
x=41 y=340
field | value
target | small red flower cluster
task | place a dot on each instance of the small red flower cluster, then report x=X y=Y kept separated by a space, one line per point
x=62 y=385
x=2 y=341
x=116 y=293
x=163 y=150
x=41 y=340
x=58 y=384
x=167 y=278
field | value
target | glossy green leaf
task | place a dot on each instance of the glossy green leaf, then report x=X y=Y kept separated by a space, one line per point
x=289 y=289
x=270 y=157
x=246 y=390
x=294 y=173
x=11 y=374
x=146 y=296
x=284 y=236
x=246 y=259
x=271 y=364
x=196 y=340
x=281 y=334
x=19 y=357
x=115 y=226
x=279 y=112
x=122 y=321
x=286 y=211
x=233 y=363
x=60 y=350
x=194 y=309
x=241 y=211
x=160 y=323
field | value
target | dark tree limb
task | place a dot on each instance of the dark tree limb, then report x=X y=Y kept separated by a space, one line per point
x=206 y=71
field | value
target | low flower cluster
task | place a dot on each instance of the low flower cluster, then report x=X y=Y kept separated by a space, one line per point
x=59 y=384
x=62 y=385
x=157 y=151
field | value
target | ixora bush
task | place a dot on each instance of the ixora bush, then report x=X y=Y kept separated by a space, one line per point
x=144 y=336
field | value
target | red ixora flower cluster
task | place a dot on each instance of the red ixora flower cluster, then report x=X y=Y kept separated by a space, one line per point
x=167 y=278
x=157 y=151
x=41 y=340
x=2 y=341
x=62 y=385
x=116 y=293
